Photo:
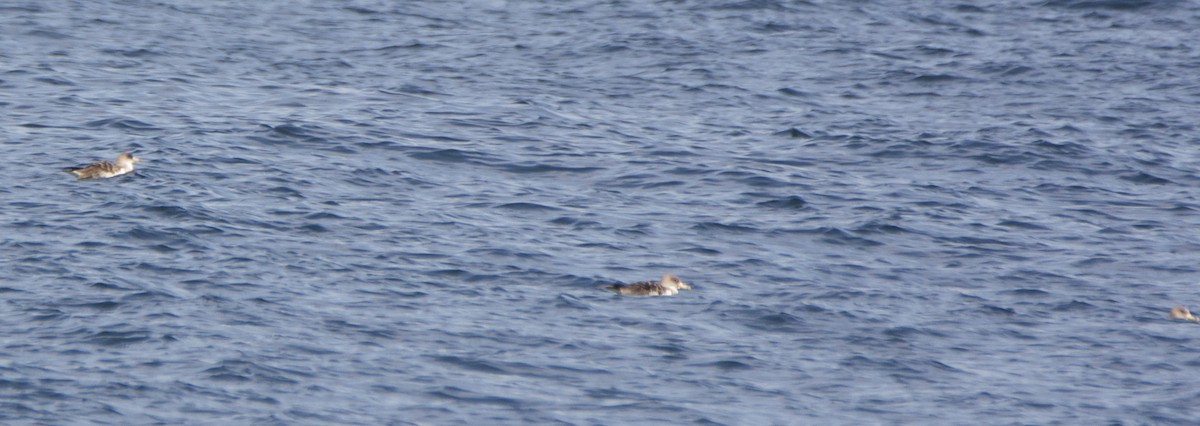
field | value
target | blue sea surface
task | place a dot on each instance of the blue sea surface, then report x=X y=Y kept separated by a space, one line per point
x=368 y=212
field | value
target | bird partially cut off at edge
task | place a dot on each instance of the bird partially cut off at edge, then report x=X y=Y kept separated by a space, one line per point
x=1181 y=312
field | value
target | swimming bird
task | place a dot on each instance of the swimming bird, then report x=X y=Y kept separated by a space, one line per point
x=106 y=169
x=668 y=285
x=1181 y=312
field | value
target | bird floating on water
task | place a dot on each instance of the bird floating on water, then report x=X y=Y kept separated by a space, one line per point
x=105 y=169
x=1181 y=312
x=668 y=285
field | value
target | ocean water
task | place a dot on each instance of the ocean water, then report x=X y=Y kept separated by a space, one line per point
x=376 y=212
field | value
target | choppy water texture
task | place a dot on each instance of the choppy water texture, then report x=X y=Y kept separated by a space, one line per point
x=377 y=212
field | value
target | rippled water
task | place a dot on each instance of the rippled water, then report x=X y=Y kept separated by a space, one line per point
x=372 y=212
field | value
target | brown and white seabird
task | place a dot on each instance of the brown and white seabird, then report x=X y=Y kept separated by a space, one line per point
x=106 y=169
x=1181 y=312
x=668 y=285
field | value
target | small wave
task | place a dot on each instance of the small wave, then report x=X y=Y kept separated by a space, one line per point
x=1144 y=178
x=1103 y=4
x=906 y=332
x=245 y=371
x=546 y=168
x=121 y=123
x=1027 y=293
x=765 y=5
x=118 y=338
x=764 y=182
x=471 y=364
x=143 y=233
x=465 y=396
x=640 y=181
x=1070 y=149
x=702 y=250
x=55 y=81
x=873 y=227
x=727 y=365
x=998 y=158
x=99 y=306
x=605 y=246
x=311 y=350
x=838 y=236
x=527 y=207
x=132 y=53
x=577 y=223
x=571 y=302
x=998 y=310
x=724 y=227
x=323 y=216
x=937 y=78
x=306 y=133
x=1094 y=261
x=409 y=89
x=766 y=320
x=1016 y=224
x=451 y=155
x=286 y=192
x=794 y=133
x=313 y=227
x=1074 y=305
